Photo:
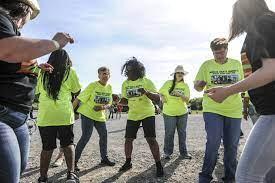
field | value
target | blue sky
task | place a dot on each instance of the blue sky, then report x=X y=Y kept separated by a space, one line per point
x=160 y=33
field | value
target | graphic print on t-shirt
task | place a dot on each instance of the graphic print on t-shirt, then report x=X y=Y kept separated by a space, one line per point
x=224 y=77
x=177 y=90
x=102 y=98
x=132 y=91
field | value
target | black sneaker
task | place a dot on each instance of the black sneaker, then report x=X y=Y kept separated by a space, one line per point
x=125 y=167
x=42 y=180
x=186 y=156
x=160 y=171
x=72 y=178
x=107 y=162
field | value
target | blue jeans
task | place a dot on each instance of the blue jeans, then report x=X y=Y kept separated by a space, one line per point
x=171 y=123
x=87 y=126
x=14 y=144
x=258 y=156
x=218 y=127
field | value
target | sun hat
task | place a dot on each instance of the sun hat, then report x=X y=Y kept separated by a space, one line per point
x=34 y=6
x=179 y=68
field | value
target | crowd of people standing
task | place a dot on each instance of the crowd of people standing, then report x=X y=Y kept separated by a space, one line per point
x=221 y=79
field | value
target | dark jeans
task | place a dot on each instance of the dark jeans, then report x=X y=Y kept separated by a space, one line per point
x=14 y=144
x=172 y=123
x=218 y=127
x=87 y=126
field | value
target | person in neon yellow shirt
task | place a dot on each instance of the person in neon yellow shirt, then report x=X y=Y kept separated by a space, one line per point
x=55 y=111
x=94 y=100
x=257 y=20
x=139 y=93
x=175 y=96
x=222 y=120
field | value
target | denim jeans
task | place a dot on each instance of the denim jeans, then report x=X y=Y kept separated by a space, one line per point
x=87 y=126
x=171 y=123
x=14 y=144
x=220 y=127
x=258 y=156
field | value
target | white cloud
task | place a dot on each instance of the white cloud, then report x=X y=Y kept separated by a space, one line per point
x=161 y=33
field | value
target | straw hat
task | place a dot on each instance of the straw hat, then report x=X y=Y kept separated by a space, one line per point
x=179 y=68
x=34 y=6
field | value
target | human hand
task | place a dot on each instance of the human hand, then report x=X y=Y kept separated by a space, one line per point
x=62 y=39
x=218 y=94
x=46 y=67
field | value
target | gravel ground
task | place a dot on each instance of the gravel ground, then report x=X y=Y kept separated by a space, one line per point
x=176 y=169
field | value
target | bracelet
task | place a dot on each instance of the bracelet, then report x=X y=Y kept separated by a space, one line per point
x=56 y=44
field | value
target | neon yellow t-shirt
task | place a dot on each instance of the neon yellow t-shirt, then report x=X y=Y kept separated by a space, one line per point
x=95 y=95
x=216 y=74
x=59 y=112
x=140 y=106
x=174 y=106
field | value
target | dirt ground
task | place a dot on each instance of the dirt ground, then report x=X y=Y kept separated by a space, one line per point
x=143 y=171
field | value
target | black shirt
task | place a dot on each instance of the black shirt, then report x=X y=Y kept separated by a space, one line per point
x=258 y=45
x=17 y=82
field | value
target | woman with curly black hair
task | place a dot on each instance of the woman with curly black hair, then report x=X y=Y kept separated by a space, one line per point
x=139 y=93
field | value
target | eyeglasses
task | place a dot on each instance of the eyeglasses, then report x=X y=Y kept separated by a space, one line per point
x=180 y=73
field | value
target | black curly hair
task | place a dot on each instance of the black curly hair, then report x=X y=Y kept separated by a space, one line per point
x=137 y=68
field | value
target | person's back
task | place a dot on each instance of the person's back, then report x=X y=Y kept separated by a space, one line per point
x=60 y=110
x=55 y=111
